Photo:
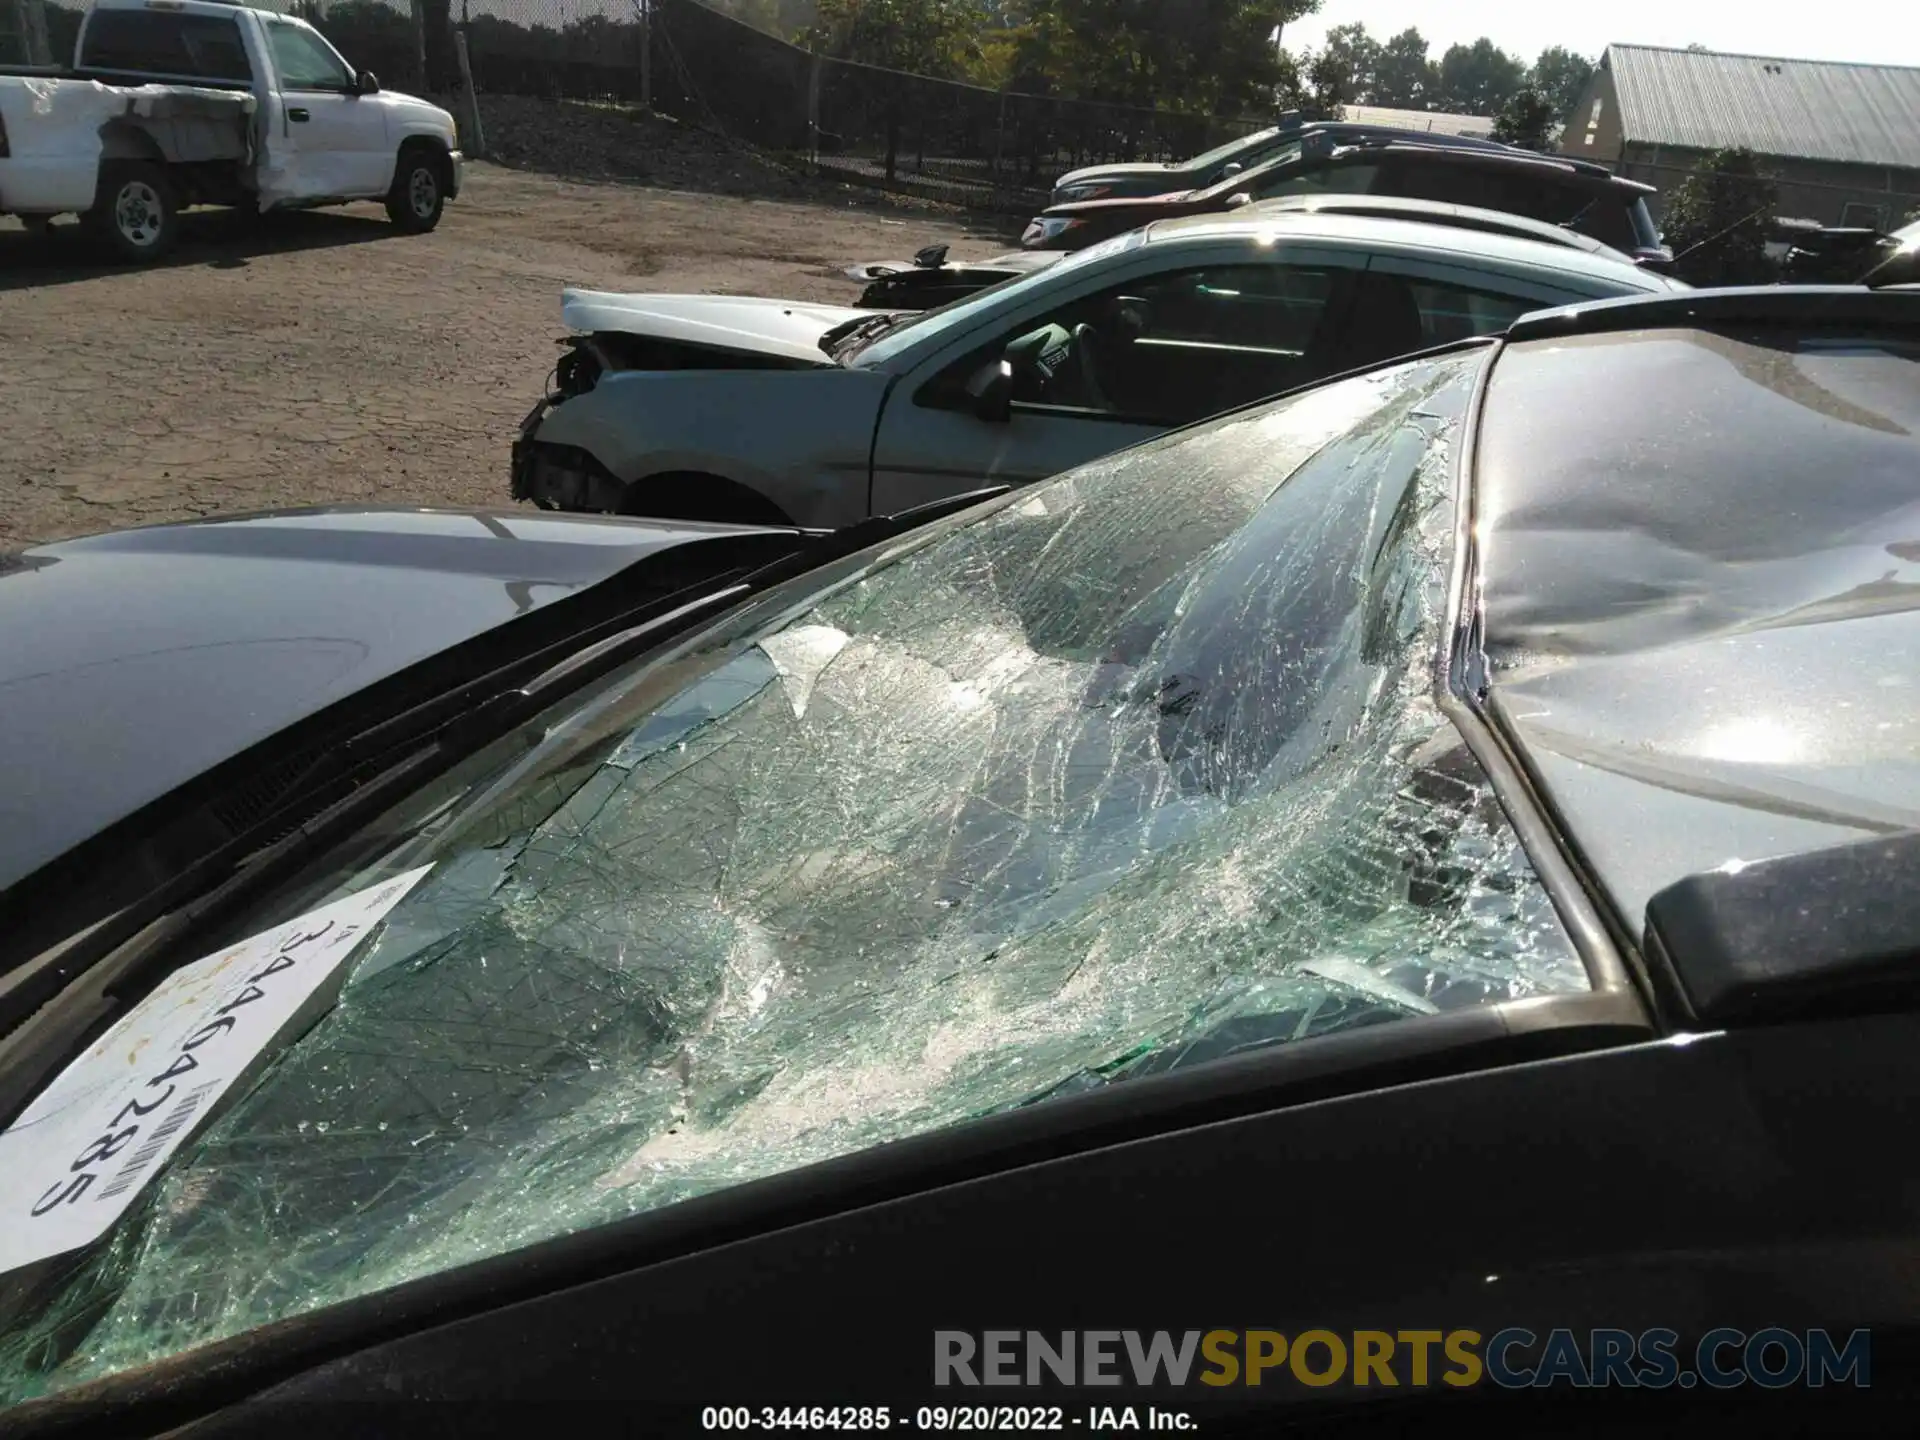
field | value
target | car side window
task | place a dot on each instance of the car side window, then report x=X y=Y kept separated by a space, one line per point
x=304 y=63
x=1171 y=349
x=153 y=42
x=1398 y=314
x=1450 y=312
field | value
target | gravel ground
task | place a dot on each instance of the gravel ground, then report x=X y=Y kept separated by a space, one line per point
x=324 y=358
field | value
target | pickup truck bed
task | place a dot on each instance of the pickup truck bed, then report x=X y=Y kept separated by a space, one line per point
x=60 y=129
x=171 y=103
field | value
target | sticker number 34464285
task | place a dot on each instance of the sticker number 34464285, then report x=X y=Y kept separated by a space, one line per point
x=76 y=1158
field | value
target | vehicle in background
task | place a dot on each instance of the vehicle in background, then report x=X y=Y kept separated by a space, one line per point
x=1900 y=264
x=1131 y=180
x=1809 y=253
x=171 y=103
x=1446 y=838
x=928 y=280
x=768 y=411
x=1577 y=194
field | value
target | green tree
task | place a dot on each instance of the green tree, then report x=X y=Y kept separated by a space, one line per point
x=1526 y=120
x=1561 y=75
x=1478 y=79
x=903 y=37
x=921 y=37
x=1403 y=76
x=1208 y=57
x=1717 y=220
x=1343 y=70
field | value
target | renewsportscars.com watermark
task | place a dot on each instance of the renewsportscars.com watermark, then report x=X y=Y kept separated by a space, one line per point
x=1512 y=1359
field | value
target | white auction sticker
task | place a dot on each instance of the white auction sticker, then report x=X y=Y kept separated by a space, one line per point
x=78 y=1156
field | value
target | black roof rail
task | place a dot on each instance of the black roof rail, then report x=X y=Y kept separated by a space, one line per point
x=1810 y=306
x=1828 y=932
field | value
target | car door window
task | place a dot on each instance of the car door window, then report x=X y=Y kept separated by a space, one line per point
x=1449 y=313
x=151 y=42
x=1395 y=314
x=1172 y=348
x=305 y=63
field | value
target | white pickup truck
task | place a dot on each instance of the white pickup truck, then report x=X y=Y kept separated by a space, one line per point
x=192 y=102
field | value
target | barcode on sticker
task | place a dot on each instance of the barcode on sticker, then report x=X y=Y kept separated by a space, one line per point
x=156 y=1142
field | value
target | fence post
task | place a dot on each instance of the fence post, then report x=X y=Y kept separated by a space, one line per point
x=646 y=54
x=813 y=108
x=420 y=42
x=476 y=142
x=999 y=138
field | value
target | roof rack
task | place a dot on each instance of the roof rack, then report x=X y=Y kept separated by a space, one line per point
x=1807 y=306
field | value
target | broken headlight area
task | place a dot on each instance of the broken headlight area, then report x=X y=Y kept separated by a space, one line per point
x=564 y=477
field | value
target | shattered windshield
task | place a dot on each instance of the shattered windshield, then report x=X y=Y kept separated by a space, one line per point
x=1141 y=769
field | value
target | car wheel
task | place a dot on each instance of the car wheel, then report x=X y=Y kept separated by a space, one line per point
x=135 y=210
x=419 y=191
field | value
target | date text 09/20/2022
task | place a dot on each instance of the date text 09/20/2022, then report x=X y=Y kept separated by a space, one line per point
x=1092 y=1419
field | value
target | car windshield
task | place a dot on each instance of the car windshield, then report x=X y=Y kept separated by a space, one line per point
x=1141 y=769
x=1270 y=165
x=909 y=330
x=1220 y=154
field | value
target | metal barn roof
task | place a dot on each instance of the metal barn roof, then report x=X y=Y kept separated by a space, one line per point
x=1808 y=109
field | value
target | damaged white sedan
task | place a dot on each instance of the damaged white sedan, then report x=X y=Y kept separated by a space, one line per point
x=769 y=411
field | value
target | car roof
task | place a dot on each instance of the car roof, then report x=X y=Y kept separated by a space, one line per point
x=1415 y=147
x=1466 y=217
x=1378 y=232
x=1698 y=575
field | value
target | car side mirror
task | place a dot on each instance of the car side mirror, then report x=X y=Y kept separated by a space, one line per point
x=366 y=83
x=1239 y=198
x=992 y=392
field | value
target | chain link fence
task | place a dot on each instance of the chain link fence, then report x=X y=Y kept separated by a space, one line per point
x=913 y=134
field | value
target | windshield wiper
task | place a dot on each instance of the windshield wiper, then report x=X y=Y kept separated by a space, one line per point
x=861 y=327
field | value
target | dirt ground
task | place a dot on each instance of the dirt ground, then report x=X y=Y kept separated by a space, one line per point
x=324 y=358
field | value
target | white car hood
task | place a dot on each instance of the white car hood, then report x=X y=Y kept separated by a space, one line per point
x=790 y=329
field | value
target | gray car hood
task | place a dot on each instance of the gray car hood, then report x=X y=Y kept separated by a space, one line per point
x=1701 y=597
x=133 y=662
x=790 y=329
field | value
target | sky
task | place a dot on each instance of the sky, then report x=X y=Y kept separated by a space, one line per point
x=1886 y=32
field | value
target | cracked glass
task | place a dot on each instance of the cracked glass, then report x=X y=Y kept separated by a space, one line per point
x=1140 y=770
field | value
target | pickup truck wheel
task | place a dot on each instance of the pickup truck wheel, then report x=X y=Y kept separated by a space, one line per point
x=135 y=210
x=419 y=190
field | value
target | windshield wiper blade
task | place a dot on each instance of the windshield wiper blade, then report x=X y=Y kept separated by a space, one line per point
x=859 y=328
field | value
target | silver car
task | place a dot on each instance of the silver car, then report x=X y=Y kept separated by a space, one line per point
x=733 y=408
